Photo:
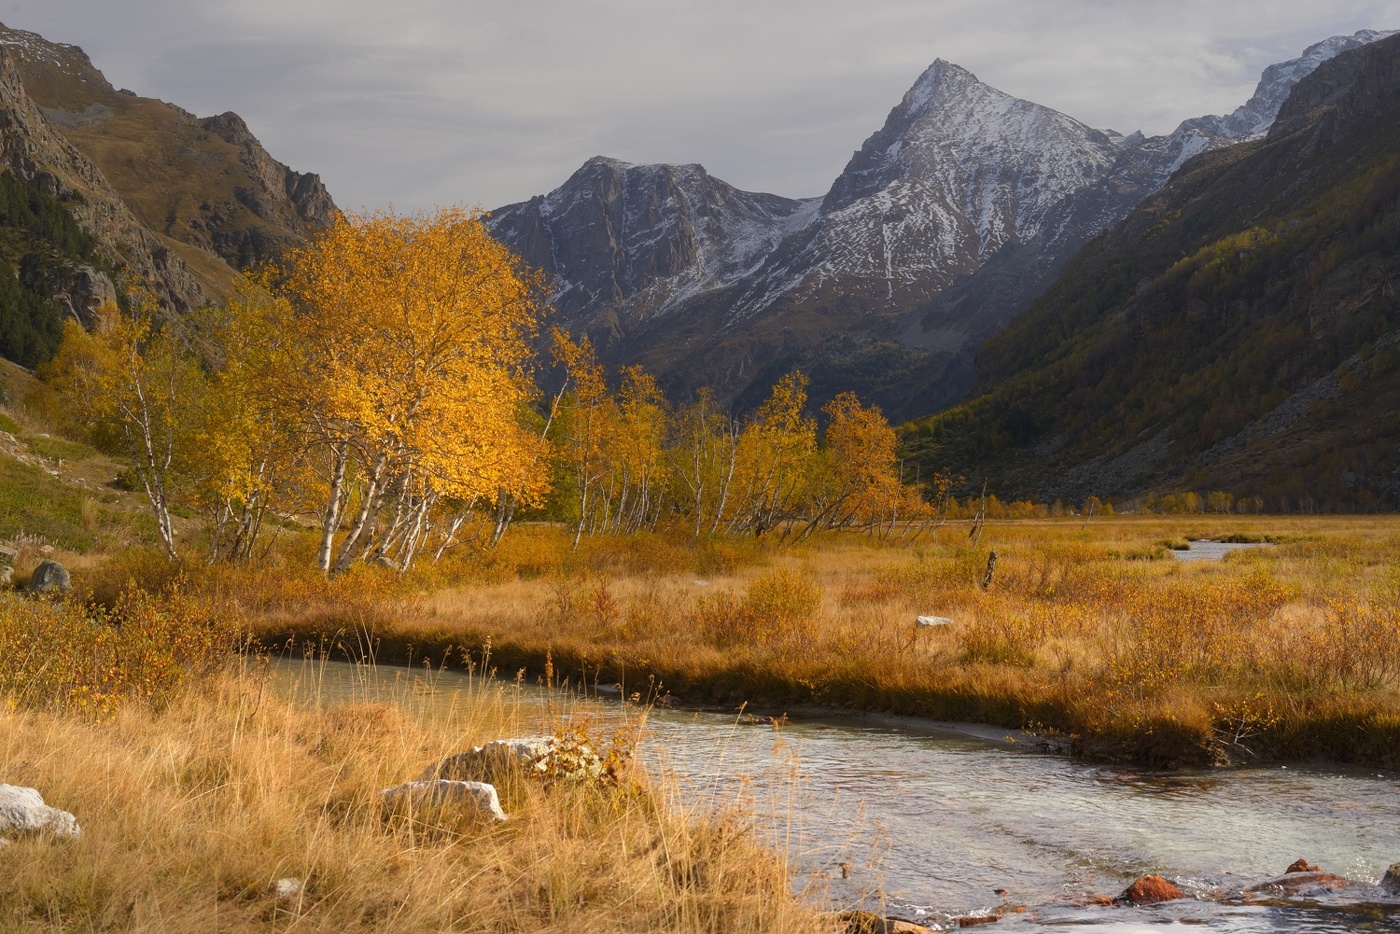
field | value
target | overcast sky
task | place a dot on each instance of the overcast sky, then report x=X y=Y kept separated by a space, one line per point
x=484 y=102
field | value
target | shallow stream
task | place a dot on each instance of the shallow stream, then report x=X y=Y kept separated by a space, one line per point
x=929 y=820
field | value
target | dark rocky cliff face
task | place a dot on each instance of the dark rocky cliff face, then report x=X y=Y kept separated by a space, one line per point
x=200 y=186
x=39 y=155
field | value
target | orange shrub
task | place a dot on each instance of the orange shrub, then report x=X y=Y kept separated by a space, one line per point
x=146 y=647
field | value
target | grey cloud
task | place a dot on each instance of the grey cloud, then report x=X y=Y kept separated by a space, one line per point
x=490 y=101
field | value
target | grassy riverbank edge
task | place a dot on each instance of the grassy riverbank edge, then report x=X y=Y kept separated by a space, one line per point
x=1326 y=729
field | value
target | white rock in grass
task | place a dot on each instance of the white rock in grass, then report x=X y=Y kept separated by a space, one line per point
x=925 y=622
x=478 y=795
x=482 y=761
x=23 y=810
x=287 y=888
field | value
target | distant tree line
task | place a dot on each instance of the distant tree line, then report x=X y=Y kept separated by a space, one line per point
x=381 y=384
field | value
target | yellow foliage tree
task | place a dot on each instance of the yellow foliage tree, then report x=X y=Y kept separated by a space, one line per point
x=864 y=488
x=409 y=363
x=776 y=452
x=132 y=378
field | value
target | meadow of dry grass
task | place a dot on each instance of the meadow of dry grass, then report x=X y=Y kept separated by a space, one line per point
x=192 y=811
x=198 y=787
x=1090 y=630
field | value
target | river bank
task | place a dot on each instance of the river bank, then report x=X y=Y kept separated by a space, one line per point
x=234 y=809
x=1088 y=633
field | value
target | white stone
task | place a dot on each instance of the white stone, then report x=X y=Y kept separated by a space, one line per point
x=23 y=810
x=928 y=621
x=442 y=791
x=480 y=761
x=287 y=888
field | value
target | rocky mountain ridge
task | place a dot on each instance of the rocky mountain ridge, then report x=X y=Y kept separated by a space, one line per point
x=39 y=155
x=942 y=227
x=177 y=202
x=1240 y=331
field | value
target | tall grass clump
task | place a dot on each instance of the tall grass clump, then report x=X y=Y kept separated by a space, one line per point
x=780 y=608
x=192 y=814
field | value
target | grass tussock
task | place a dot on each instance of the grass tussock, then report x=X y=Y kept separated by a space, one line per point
x=198 y=788
x=1091 y=629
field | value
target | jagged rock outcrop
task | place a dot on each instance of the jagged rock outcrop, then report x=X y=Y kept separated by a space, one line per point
x=177 y=201
x=287 y=200
x=38 y=154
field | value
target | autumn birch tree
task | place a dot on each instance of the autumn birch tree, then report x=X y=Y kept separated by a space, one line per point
x=134 y=379
x=413 y=333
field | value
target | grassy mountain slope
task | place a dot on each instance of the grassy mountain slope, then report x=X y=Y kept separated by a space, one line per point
x=1239 y=331
x=206 y=183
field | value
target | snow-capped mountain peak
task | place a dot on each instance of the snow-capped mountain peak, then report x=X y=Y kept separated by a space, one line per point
x=944 y=224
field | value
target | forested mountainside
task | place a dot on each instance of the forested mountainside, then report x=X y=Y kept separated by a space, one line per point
x=943 y=226
x=99 y=183
x=1240 y=331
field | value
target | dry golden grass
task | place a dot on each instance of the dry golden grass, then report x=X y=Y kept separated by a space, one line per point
x=1090 y=629
x=190 y=815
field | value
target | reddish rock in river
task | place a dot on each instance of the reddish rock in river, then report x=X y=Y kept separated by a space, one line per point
x=1302 y=878
x=1149 y=890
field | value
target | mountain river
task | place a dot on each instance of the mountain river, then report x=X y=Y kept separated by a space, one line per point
x=927 y=821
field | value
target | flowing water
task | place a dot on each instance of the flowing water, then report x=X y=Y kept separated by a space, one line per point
x=928 y=820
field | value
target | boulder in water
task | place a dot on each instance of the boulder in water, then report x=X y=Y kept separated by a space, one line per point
x=868 y=922
x=22 y=810
x=1391 y=880
x=1150 y=890
x=1302 y=878
x=50 y=577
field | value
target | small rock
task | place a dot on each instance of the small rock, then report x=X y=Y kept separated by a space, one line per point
x=23 y=810
x=287 y=888
x=1391 y=880
x=1093 y=901
x=1149 y=890
x=50 y=577
x=972 y=921
x=1301 y=865
x=479 y=795
x=926 y=622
